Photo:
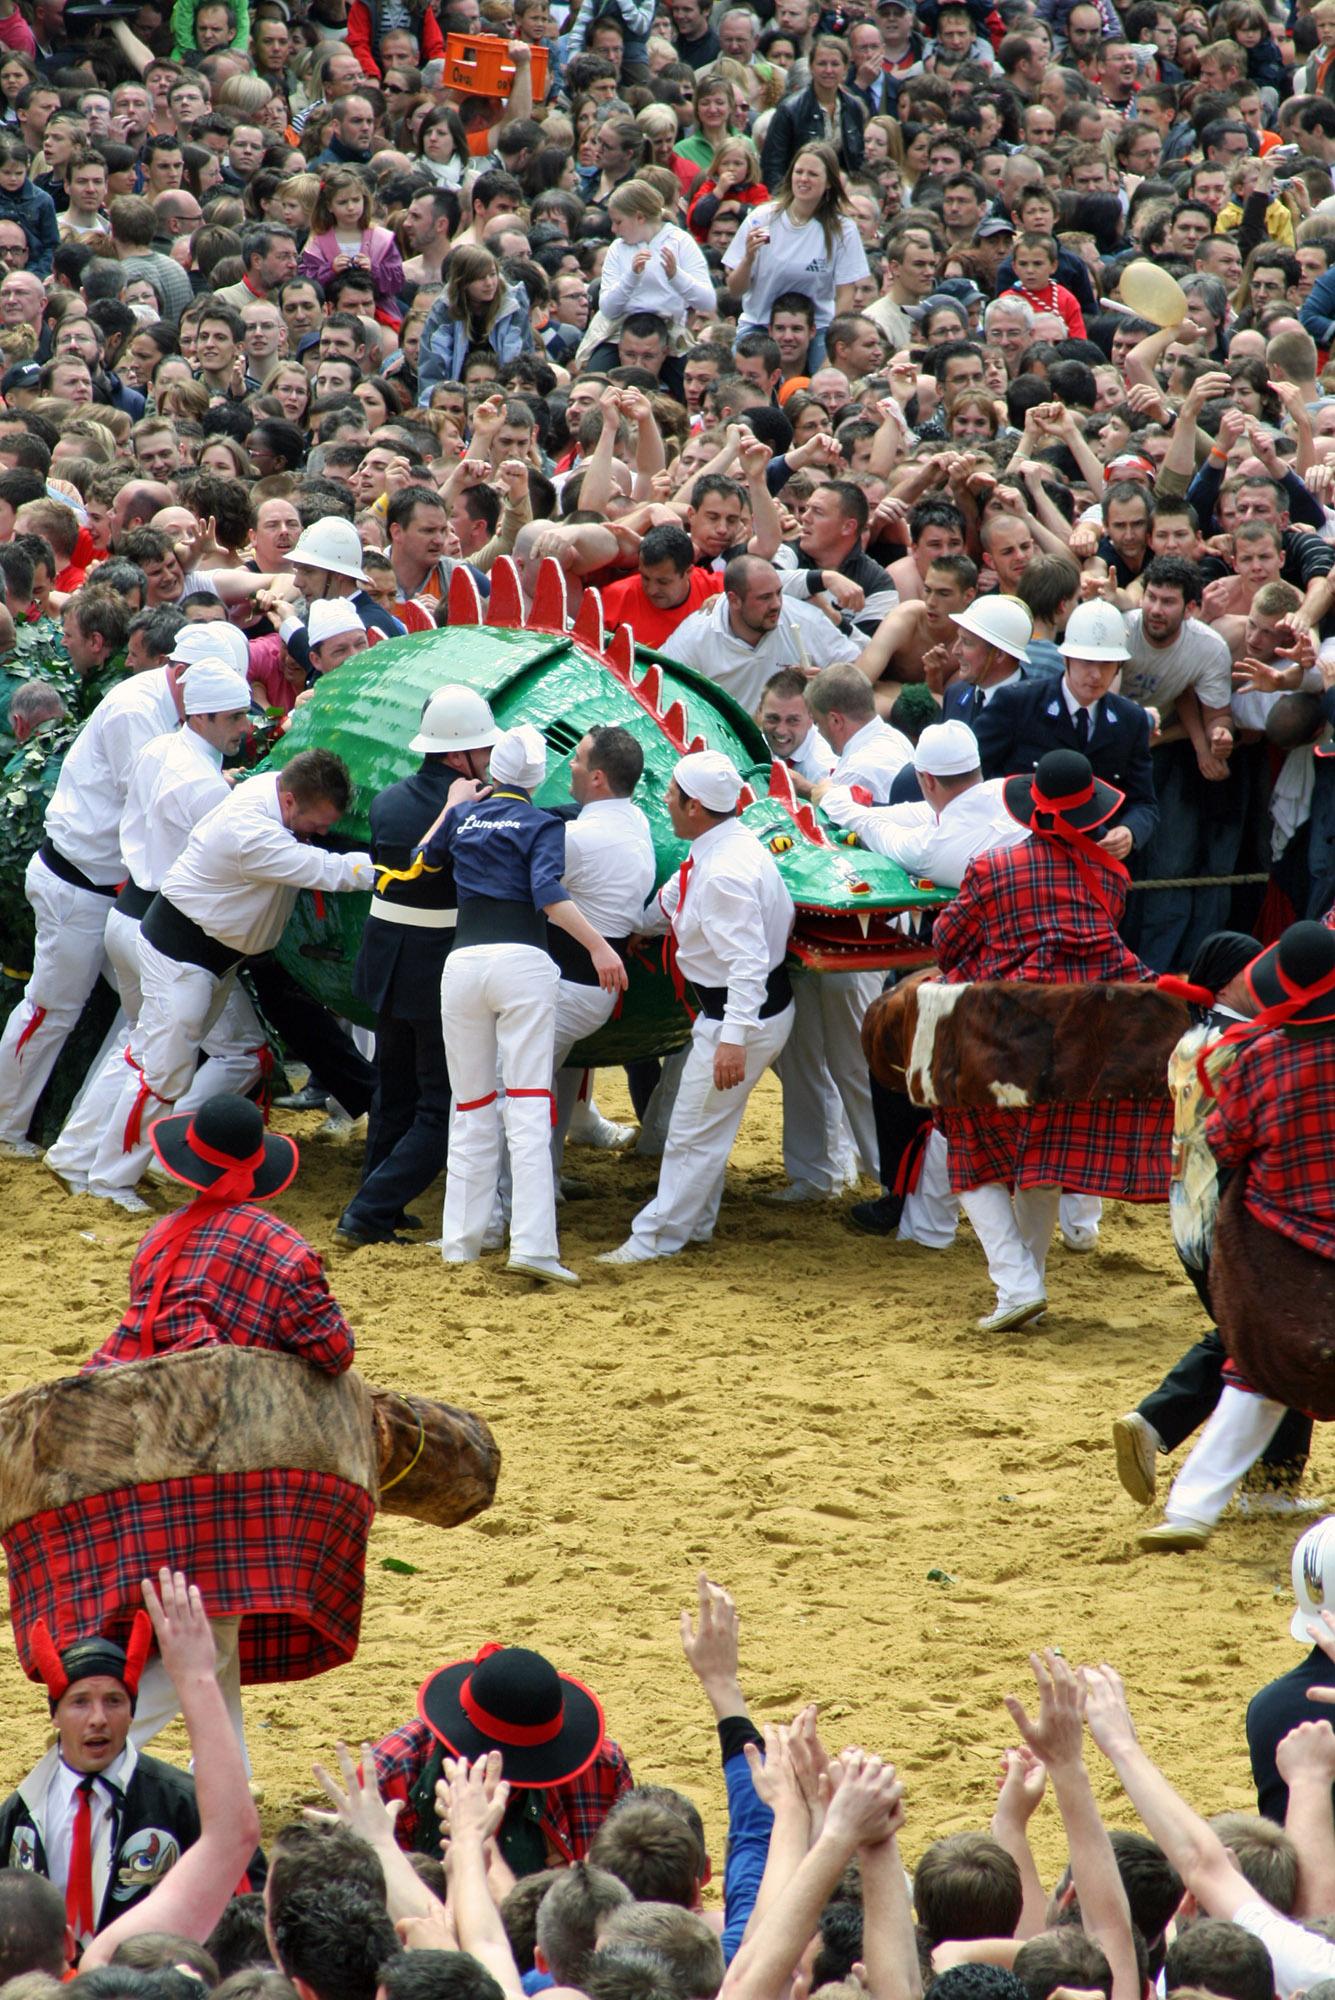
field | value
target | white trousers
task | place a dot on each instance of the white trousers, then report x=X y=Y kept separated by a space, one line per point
x=67 y=960
x=158 y=1702
x=1015 y=1231
x=826 y=1047
x=580 y=1011
x=932 y=1212
x=498 y=1006
x=700 y=1137
x=180 y=1006
x=1236 y=1434
x=1081 y=1215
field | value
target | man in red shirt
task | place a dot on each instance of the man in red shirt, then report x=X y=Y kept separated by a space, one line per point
x=668 y=588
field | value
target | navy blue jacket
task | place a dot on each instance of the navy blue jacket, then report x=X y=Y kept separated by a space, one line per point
x=1279 y=1707
x=1021 y=723
x=399 y=965
x=504 y=848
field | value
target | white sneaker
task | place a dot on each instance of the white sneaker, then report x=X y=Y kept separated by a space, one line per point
x=547 y=1270
x=1005 y=1318
x=1081 y=1238
x=1278 y=1503
x=629 y=1252
x=588 y=1127
x=800 y=1191
x=19 y=1149
x=494 y=1235
x=126 y=1198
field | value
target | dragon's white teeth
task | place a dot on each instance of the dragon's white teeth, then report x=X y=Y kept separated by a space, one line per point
x=864 y=918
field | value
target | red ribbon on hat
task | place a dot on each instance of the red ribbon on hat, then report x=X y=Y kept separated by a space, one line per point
x=236 y=1184
x=1084 y=850
x=519 y=1735
x=1276 y=1016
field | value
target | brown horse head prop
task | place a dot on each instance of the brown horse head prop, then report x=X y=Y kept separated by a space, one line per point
x=437 y=1464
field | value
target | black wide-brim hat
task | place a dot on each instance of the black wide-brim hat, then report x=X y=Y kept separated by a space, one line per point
x=225 y=1134
x=1297 y=969
x=548 y=1727
x=1061 y=786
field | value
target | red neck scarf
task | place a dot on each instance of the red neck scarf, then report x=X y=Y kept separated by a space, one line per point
x=1086 y=854
x=233 y=1186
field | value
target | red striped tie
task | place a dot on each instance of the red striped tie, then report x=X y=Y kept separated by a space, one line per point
x=79 y=1912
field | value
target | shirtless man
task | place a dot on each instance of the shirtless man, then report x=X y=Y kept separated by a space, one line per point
x=936 y=528
x=895 y=656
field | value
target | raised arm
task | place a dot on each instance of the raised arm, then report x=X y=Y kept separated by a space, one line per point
x=193 y=1895
x=1020 y=1790
x=1057 y=1737
x=475 y=1798
x=889 y=1942
x=711 y=1649
x=1306 y=1762
x=357 y=1804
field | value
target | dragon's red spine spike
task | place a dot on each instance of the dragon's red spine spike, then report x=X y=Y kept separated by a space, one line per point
x=620 y=655
x=746 y=797
x=696 y=743
x=590 y=629
x=673 y=724
x=465 y=604
x=650 y=690
x=550 y=609
x=810 y=825
x=505 y=606
x=781 y=784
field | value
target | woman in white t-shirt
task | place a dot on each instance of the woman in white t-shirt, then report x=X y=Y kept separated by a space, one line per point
x=802 y=241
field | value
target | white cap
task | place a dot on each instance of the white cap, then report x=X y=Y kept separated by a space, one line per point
x=1313 y=1571
x=1095 y=631
x=329 y=616
x=213 y=688
x=1002 y=621
x=519 y=758
x=946 y=750
x=710 y=777
x=331 y=544
x=213 y=640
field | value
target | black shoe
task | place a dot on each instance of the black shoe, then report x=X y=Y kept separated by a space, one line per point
x=877 y=1218
x=405 y=1221
x=356 y=1235
x=312 y=1097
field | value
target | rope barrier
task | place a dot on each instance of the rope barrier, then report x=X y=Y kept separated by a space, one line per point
x=1200 y=881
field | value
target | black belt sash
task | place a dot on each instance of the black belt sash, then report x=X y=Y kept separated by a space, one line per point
x=778 y=995
x=177 y=936
x=134 y=901
x=488 y=920
x=573 y=961
x=66 y=870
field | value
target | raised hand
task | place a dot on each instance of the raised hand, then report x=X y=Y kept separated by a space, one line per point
x=867 y=1803
x=181 y=1626
x=711 y=1645
x=1308 y=1751
x=1107 y=1714
x=357 y=1802
x=1021 y=1783
x=1055 y=1736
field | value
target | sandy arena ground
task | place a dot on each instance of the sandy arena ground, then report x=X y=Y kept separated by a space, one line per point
x=901 y=1506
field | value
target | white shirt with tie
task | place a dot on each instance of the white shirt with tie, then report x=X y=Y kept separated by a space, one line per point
x=50 y=1793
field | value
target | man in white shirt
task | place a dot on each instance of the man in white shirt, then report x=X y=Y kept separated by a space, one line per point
x=730 y=917
x=177 y=778
x=960 y=816
x=228 y=898
x=610 y=869
x=870 y=753
x=793 y=738
x=826 y=1087
x=742 y=636
x=71 y=883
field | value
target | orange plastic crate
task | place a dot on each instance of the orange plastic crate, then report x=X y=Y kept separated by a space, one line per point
x=480 y=66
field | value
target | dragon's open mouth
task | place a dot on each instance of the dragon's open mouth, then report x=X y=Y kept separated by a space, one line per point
x=857 y=941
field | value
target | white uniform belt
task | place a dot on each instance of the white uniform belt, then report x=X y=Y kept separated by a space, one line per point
x=419 y=919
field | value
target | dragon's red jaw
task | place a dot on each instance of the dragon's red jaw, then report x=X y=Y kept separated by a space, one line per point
x=856 y=941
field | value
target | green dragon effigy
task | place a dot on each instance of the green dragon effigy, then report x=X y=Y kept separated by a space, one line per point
x=850 y=904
